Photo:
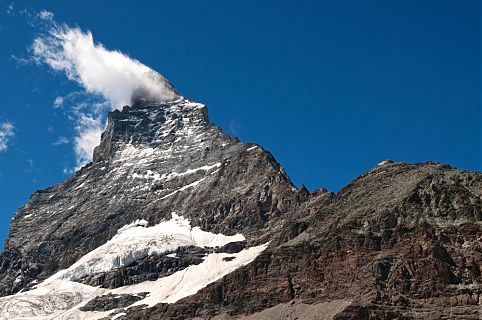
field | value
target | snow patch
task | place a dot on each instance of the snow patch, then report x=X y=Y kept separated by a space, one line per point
x=118 y=315
x=80 y=186
x=192 y=279
x=195 y=183
x=190 y=171
x=59 y=297
x=384 y=163
x=150 y=175
x=136 y=241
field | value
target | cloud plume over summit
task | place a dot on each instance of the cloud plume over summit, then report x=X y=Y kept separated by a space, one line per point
x=104 y=74
x=108 y=73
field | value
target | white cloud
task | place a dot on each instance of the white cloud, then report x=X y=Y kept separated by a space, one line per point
x=110 y=75
x=46 y=15
x=20 y=61
x=58 y=102
x=67 y=171
x=89 y=129
x=6 y=133
x=61 y=140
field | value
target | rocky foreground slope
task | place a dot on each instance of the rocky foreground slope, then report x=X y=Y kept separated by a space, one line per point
x=175 y=220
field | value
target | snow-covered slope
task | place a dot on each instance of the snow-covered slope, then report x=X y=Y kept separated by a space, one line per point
x=61 y=297
x=136 y=241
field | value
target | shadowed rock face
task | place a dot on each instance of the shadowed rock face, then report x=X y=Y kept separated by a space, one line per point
x=153 y=160
x=402 y=241
x=110 y=302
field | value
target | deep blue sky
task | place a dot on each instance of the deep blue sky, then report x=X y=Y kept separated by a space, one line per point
x=329 y=87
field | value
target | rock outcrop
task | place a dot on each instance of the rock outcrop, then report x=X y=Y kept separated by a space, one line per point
x=400 y=242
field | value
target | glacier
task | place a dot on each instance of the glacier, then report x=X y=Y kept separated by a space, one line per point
x=61 y=297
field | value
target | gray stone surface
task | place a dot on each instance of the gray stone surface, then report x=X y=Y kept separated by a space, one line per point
x=400 y=242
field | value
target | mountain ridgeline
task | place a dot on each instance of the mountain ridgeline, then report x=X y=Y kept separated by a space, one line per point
x=173 y=219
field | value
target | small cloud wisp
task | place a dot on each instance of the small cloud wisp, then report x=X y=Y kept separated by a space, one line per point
x=7 y=131
x=58 y=102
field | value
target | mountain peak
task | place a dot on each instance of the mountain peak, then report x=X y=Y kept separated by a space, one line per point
x=158 y=125
x=172 y=208
x=163 y=91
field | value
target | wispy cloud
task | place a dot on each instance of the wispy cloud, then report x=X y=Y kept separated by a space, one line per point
x=234 y=127
x=90 y=123
x=46 y=15
x=90 y=128
x=20 y=60
x=58 y=102
x=109 y=77
x=66 y=171
x=7 y=131
x=60 y=141
x=110 y=74
x=10 y=9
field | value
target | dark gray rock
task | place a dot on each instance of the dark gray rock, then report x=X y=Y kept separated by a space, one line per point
x=153 y=159
x=385 y=242
x=109 y=302
x=147 y=269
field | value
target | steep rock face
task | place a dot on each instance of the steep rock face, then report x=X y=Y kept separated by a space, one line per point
x=153 y=159
x=400 y=242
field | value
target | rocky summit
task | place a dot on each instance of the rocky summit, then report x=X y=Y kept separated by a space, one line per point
x=173 y=219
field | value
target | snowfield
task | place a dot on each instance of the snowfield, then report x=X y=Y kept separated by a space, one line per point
x=136 y=241
x=60 y=297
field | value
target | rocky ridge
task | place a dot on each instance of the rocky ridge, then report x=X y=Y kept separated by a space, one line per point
x=402 y=241
x=153 y=159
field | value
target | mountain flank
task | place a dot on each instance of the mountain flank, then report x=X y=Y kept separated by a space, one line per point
x=173 y=219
